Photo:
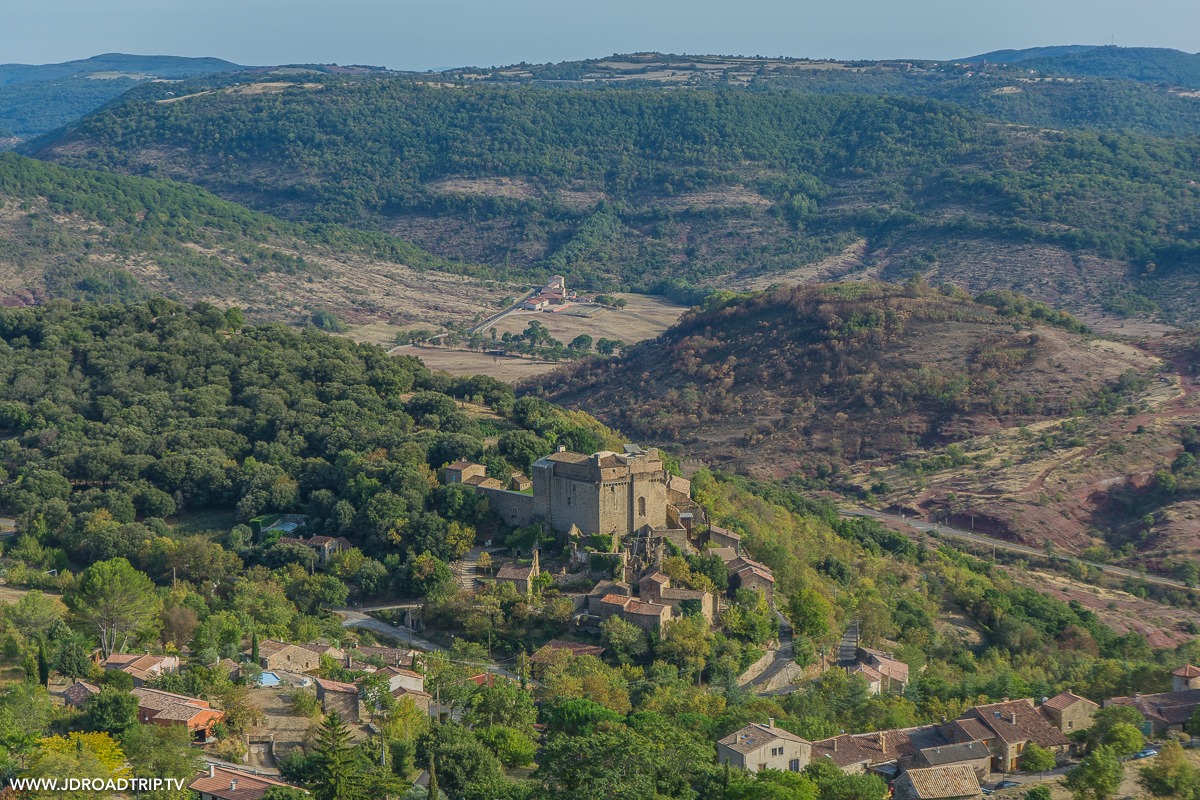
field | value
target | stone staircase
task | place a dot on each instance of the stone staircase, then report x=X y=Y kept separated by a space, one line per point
x=466 y=570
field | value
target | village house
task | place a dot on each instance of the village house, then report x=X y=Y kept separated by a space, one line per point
x=954 y=782
x=1163 y=713
x=406 y=683
x=522 y=576
x=647 y=616
x=656 y=588
x=398 y=678
x=390 y=656
x=871 y=675
x=276 y=655
x=723 y=537
x=78 y=693
x=745 y=573
x=975 y=755
x=546 y=653
x=326 y=547
x=757 y=747
x=339 y=697
x=222 y=783
x=1166 y=712
x=142 y=668
x=167 y=708
x=332 y=651
x=1184 y=678
x=1006 y=728
x=879 y=751
x=1069 y=712
x=882 y=668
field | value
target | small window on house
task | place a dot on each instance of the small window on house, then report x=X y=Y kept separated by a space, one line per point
x=641 y=506
x=794 y=765
x=1070 y=725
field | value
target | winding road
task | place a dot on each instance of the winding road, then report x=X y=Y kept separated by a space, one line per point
x=999 y=544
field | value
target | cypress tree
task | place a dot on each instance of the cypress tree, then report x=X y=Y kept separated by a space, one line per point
x=43 y=664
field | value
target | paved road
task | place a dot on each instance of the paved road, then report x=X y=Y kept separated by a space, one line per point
x=494 y=318
x=977 y=538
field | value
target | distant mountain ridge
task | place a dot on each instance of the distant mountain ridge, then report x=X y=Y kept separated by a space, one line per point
x=1016 y=56
x=1158 y=65
x=171 y=67
x=36 y=98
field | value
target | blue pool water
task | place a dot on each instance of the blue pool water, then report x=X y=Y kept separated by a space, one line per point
x=269 y=679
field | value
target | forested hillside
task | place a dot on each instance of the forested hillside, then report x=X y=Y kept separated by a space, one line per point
x=810 y=379
x=656 y=189
x=130 y=412
x=143 y=441
x=87 y=235
x=36 y=98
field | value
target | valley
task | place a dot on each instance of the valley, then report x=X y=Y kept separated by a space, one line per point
x=687 y=427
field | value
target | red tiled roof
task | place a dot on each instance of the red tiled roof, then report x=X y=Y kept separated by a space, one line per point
x=644 y=609
x=1172 y=708
x=574 y=648
x=337 y=686
x=249 y=787
x=1017 y=721
x=973 y=730
x=1065 y=700
x=930 y=783
x=1187 y=671
x=77 y=693
x=755 y=735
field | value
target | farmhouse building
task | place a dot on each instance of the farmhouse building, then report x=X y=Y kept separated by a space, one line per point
x=757 y=747
x=1069 y=712
x=339 y=697
x=954 y=782
x=276 y=655
x=222 y=783
x=1184 y=678
x=142 y=668
x=167 y=708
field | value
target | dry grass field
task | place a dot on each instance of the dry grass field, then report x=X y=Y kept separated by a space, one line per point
x=645 y=317
x=467 y=362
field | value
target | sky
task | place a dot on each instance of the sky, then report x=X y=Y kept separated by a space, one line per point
x=434 y=34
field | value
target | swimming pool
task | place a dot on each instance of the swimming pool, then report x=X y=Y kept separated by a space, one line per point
x=269 y=679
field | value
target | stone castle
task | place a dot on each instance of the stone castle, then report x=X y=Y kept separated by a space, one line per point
x=601 y=493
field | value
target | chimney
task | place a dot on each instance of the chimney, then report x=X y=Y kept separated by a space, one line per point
x=233 y=785
x=212 y=770
x=770 y=722
x=562 y=448
x=835 y=744
x=1013 y=718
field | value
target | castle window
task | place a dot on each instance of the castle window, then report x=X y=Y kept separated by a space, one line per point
x=641 y=506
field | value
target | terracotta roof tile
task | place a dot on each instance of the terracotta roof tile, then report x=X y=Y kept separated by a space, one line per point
x=957 y=780
x=755 y=735
x=1065 y=700
x=249 y=787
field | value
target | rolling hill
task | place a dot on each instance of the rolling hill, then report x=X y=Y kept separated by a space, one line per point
x=671 y=190
x=85 y=235
x=814 y=380
x=995 y=415
x=37 y=98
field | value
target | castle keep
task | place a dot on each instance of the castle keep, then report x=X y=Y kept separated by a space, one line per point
x=605 y=493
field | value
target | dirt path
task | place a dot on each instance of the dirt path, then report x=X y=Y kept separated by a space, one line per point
x=945 y=531
x=1169 y=408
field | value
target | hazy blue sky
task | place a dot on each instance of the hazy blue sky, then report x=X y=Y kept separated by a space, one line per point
x=440 y=33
